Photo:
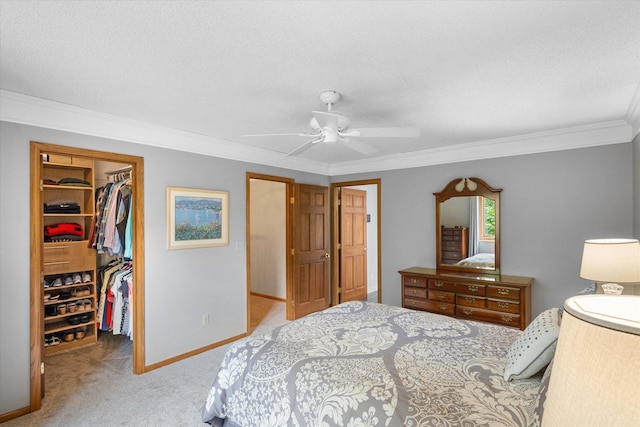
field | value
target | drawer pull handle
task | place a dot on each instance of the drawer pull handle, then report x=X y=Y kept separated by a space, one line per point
x=438 y=284
x=503 y=304
x=414 y=280
x=469 y=300
x=467 y=311
x=56 y=247
x=507 y=318
x=473 y=288
x=443 y=306
x=503 y=291
x=415 y=291
x=412 y=302
x=442 y=296
x=56 y=262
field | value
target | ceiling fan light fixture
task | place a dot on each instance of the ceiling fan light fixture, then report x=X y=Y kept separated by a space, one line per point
x=330 y=136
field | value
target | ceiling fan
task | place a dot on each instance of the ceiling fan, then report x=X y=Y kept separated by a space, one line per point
x=330 y=127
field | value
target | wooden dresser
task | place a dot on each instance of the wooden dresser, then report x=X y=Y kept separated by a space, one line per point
x=454 y=244
x=501 y=299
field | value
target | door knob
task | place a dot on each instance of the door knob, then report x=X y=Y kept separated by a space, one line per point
x=326 y=255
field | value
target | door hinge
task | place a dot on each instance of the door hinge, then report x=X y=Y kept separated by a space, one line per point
x=292 y=303
x=339 y=245
x=339 y=290
x=339 y=202
x=41 y=185
x=42 y=368
x=292 y=200
x=41 y=277
x=293 y=251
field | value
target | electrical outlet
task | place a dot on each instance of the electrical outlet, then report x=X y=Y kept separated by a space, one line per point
x=205 y=319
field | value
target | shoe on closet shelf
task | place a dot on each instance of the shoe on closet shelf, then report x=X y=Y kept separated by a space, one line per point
x=77 y=278
x=57 y=282
x=80 y=305
x=54 y=341
x=68 y=280
x=71 y=307
x=46 y=284
x=86 y=277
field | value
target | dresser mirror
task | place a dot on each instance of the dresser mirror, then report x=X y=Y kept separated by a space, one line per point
x=468 y=227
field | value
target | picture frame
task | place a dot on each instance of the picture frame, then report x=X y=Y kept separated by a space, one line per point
x=197 y=218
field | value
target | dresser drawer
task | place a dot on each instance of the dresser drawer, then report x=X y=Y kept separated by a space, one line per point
x=505 y=306
x=441 y=296
x=451 y=245
x=441 y=307
x=470 y=289
x=415 y=281
x=452 y=254
x=442 y=285
x=503 y=292
x=469 y=301
x=415 y=303
x=488 y=316
x=410 y=291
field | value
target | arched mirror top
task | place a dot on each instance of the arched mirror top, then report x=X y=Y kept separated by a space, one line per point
x=468 y=227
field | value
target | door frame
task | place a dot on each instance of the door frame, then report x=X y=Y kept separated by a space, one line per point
x=36 y=257
x=289 y=191
x=335 y=234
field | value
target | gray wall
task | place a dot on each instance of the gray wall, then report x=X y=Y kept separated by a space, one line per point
x=550 y=204
x=181 y=285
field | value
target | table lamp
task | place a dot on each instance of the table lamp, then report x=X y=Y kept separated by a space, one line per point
x=611 y=261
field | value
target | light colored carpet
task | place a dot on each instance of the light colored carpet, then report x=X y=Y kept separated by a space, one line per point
x=96 y=387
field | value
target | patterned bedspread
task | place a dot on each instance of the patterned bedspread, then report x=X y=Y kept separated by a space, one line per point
x=479 y=260
x=366 y=364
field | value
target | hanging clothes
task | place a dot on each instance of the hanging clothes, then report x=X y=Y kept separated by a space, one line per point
x=112 y=219
x=116 y=291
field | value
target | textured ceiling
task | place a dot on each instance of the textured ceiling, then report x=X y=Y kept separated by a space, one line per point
x=462 y=72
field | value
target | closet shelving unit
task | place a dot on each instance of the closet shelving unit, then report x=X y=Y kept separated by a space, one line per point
x=68 y=258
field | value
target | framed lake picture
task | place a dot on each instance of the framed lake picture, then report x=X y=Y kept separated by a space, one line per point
x=197 y=218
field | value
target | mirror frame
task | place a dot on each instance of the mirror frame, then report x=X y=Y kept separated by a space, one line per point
x=450 y=191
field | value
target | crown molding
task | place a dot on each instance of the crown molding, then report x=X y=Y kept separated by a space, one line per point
x=606 y=133
x=28 y=110
x=633 y=113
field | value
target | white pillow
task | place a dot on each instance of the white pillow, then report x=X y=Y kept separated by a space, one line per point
x=534 y=348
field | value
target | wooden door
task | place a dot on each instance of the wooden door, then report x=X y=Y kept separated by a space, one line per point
x=311 y=251
x=353 y=244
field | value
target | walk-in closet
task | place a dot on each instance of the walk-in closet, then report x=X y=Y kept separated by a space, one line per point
x=83 y=214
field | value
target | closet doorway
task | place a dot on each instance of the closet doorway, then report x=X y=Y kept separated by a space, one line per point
x=40 y=152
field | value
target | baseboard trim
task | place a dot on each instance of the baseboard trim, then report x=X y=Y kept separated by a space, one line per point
x=257 y=294
x=180 y=357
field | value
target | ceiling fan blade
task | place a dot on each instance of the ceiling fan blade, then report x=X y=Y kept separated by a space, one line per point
x=304 y=147
x=360 y=146
x=308 y=135
x=326 y=120
x=403 y=132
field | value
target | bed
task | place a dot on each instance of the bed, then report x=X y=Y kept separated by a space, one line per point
x=482 y=260
x=368 y=364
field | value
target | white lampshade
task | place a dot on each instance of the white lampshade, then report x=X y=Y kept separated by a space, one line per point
x=611 y=260
x=595 y=376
